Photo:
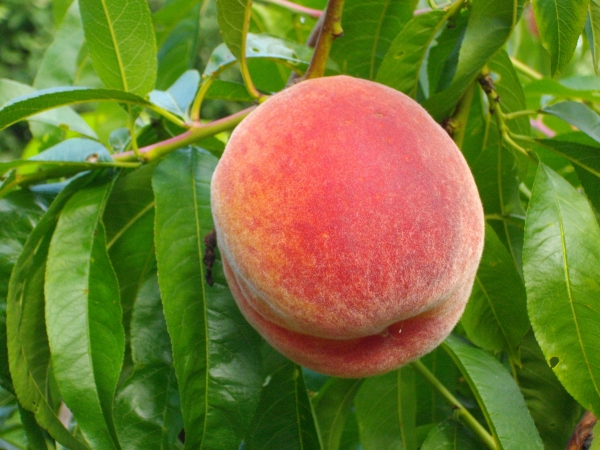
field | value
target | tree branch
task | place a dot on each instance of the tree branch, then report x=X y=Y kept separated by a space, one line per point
x=332 y=29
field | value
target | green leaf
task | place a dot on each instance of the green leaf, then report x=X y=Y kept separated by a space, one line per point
x=451 y=435
x=76 y=153
x=228 y=90
x=234 y=22
x=35 y=435
x=166 y=19
x=82 y=295
x=283 y=419
x=215 y=351
x=29 y=352
x=129 y=221
x=147 y=410
x=60 y=60
x=562 y=90
x=560 y=23
x=498 y=396
x=560 y=255
x=178 y=98
x=12 y=91
x=386 y=411
x=401 y=66
x=59 y=9
x=579 y=115
x=181 y=46
x=431 y=406
x=510 y=90
x=369 y=28
x=19 y=213
x=443 y=55
x=592 y=30
x=121 y=42
x=31 y=104
x=332 y=406
x=260 y=47
x=496 y=175
x=489 y=27
x=554 y=411
x=496 y=315
x=582 y=156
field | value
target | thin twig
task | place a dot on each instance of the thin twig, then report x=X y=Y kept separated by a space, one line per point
x=196 y=133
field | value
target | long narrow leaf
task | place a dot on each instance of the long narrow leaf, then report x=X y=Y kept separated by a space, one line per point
x=12 y=91
x=29 y=352
x=215 y=351
x=283 y=419
x=120 y=39
x=489 y=27
x=147 y=405
x=561 y=254
x=83 y=315
x=498 y=397
x=34 y=103
x=19 y=213
x=234 y=22
x=402 y=63
x=560 y=23
x=332 y=406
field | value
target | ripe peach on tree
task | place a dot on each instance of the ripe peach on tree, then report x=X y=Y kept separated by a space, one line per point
x=349 y=224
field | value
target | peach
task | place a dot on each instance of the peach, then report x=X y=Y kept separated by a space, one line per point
x=349 y=225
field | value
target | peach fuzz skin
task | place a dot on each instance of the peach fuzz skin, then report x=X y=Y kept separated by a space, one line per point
x=349 y=225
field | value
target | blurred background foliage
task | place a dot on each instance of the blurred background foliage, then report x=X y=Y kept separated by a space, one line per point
x=187 y=34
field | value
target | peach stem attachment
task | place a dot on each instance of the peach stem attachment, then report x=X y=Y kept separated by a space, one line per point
x=463 y=414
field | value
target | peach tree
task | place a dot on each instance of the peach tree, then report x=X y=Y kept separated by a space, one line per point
x=117 y=327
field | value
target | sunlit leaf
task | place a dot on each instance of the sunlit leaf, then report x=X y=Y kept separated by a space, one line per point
x=592 y=29
x=234 y=20
x=82 y=296
x=64 y=118
x=178 y=98
x=33 y=103
x=560 y=22
x=120 y=39
x=561 y=252
x=60 y=60
x=260 y=46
